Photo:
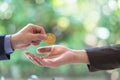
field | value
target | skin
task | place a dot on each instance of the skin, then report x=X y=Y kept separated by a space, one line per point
x=30 y=35
x=58 y=56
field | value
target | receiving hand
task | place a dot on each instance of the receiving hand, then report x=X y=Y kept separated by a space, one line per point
x=58 y=55
x=30 y=34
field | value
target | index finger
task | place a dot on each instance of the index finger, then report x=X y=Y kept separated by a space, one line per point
x=39 y=29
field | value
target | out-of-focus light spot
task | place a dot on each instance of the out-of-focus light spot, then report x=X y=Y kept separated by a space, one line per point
x=102 y=32
x=91 y=40
x=40 y=1
x=2 y=78
x=4 y=7
x=58 y=2
x=106 y=10
x=8 y=14
x=6 y=10
x=15 y=71
x=34 y=76
x=91 y=21
x=66 y=7
x=71 y=1
x=115 y=75
x=119 y=3
x=112 y=4
x=63 y=23
x=57 y=31
x=68 y=10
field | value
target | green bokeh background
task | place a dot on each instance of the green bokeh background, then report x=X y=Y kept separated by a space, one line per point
x=77 y=24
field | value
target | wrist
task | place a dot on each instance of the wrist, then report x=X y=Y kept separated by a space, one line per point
x=81 y=56
x=13 y=41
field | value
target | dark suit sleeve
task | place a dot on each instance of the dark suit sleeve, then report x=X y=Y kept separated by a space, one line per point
x=3 y=55
x=104 y=58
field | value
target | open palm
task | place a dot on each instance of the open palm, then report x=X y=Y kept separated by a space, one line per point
x=58 y=55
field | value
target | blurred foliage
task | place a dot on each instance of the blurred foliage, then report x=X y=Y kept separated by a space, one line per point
x=77 y=24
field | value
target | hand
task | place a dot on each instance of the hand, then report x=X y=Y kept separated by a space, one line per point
x=58 y=55
x=30 y=34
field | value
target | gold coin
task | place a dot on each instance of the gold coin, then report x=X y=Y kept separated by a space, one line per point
x=51 y=38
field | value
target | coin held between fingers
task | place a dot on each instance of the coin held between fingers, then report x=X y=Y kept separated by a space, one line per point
x=51 y=38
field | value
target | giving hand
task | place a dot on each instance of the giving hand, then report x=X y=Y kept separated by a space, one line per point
x=30 y=34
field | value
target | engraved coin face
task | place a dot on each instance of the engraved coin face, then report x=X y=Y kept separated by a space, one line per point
x=51 y=38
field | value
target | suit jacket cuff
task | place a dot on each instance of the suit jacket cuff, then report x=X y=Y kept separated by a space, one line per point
x=3 y=55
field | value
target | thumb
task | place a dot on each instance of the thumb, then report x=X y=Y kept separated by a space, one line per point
x=39 y=37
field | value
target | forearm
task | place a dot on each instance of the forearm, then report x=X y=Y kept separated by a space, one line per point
x=81 y=56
